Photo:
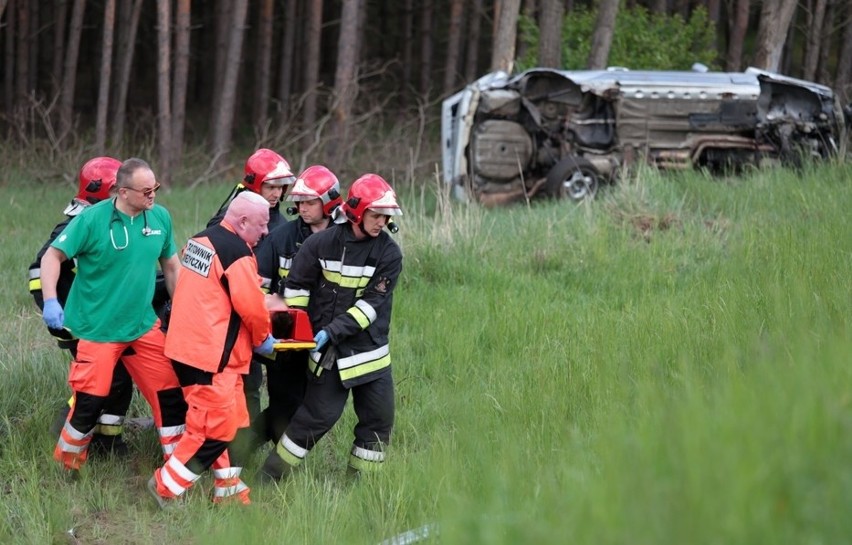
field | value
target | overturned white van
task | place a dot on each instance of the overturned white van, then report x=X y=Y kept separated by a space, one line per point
x=553 y=133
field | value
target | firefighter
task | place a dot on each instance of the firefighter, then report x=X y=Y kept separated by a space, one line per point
x=218 y=315
x=345 y=277
x=316 y=194
x=96 y=181
x=267 y=174
x=116 y=244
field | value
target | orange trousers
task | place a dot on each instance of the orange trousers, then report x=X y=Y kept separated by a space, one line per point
x=90 y=379
x=215 y=412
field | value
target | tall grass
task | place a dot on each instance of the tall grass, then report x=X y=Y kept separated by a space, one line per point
x=667 y=364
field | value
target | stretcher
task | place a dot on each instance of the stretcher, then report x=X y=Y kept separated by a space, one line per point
x=292 y=328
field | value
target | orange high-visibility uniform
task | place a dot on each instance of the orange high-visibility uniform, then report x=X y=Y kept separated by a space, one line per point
x=218 y=315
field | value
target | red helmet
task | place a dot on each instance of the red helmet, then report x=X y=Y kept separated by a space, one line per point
x=97 y=178
x=317 y=182
x=266 y=166
x=370 y=192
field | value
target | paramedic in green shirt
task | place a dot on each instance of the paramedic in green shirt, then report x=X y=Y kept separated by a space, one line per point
x=117 y=244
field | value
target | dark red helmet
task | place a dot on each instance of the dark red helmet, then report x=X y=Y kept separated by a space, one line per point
x=266 y=166
x=370 y=192
x=317 y=182
x=97 y=178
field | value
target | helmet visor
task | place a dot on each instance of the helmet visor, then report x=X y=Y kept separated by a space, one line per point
x=74 y=207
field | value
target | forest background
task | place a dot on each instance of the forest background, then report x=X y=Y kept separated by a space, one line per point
x=354 y=84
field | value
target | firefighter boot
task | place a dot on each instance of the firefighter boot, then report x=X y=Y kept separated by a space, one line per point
x=274 y=469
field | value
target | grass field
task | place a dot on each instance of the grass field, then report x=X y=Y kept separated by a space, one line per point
x=669 y=364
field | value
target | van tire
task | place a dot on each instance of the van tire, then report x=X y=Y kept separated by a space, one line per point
x=574 y=178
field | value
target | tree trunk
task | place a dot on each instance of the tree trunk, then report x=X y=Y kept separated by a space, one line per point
x=407 y=45
x=659 y=6
x=106 y=73
x=223 y=123
x=22 y=61
x=182 y=42
x=286 y=67
x=263 y=58
x=223 y=31
x=128 y=25
x=843 y=77
x=602 y=37
x=739 y=24
x=35 y=43
x=775 y=17
x=814 y=38
x=313 y=40
x=825 y=47
x=428 y=9
x=69 y=72
x=714 y=9
x=345 y=84
x=529 y=9
x=59 y=25
x=164 y=85
x=503 y=53
x=453 y=46
x=550 y=42
x=9 y=61
x=471 y=65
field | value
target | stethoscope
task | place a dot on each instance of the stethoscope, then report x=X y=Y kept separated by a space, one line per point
x=146 y=231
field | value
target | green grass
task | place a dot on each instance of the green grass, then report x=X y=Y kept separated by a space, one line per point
x=669 y=364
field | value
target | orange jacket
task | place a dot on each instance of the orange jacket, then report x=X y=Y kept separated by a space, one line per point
x=218 y=309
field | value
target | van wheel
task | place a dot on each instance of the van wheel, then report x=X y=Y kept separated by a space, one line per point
x=574 y=178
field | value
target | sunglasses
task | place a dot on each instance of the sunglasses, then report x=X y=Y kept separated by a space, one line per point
x=147 y=192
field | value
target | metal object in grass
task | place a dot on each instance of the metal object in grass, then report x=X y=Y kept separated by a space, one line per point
x=423 y=533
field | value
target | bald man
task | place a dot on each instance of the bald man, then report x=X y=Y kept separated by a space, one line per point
x=218 y=315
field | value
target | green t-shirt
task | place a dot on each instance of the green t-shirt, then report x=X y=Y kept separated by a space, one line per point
x=117 y=259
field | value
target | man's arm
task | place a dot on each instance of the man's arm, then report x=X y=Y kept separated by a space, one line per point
x=51 y=263
x=170 y=266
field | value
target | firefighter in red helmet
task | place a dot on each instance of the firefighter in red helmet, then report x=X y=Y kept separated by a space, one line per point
x=96 y=182
x=345 y=278
x=268 y=174
x=316 y=195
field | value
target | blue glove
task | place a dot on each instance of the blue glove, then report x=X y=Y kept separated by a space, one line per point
x=321 y=339
x=53 y=315
x=266 y=347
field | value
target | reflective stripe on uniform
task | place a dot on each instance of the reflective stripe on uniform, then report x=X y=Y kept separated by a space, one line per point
x=225 y=491
x=296 y=298
x=363 y=313
x=366 y=362
x=74 y=434
x=227 y=472
x=369 y=455
x=171 y=431
x=290 y=452
x=65 y=446
x=284 y=265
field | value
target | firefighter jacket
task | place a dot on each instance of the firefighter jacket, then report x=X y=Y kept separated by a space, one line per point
x=218 y=309
x=275 y=217
x=275 y=252
x=66 y=271
x=64 y=338
x=346 y=285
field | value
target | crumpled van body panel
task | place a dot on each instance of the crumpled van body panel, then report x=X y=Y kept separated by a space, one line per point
x=560 y=133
